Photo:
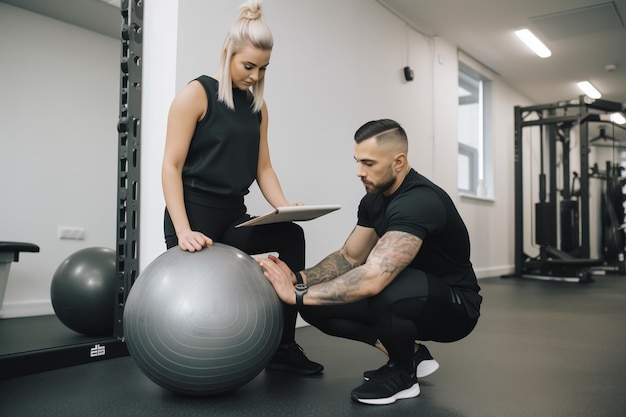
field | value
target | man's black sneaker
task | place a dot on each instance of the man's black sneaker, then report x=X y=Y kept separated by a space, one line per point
x=424 y=364
x=291 y=358
x=386 y=385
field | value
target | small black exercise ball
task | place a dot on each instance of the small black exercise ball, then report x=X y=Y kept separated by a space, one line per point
x=83 y=291
x=202 y=323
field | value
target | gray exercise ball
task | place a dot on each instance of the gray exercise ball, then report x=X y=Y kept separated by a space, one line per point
x=83 y=291
x=202 y=323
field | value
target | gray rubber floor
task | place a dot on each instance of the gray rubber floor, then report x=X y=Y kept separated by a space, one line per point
x=541 y=348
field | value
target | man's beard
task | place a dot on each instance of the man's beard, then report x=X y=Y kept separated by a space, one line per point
x=381 y=187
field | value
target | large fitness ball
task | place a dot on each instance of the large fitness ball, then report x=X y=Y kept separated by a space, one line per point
x=83 y=291
x=202 y=323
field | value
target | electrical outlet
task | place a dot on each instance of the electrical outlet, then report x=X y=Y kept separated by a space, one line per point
x=76 y=233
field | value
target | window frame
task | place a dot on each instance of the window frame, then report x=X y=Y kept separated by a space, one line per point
x=473 y=79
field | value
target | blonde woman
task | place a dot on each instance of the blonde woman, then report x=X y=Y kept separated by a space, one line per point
x=216 y=147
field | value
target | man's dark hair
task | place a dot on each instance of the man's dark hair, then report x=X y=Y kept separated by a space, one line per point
x=384 y=130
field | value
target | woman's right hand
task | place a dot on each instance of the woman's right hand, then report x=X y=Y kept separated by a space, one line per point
x=193 y=241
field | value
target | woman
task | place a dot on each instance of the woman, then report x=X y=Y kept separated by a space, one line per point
x=216 y=146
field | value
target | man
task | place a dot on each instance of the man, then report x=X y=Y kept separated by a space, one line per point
x=402 y=275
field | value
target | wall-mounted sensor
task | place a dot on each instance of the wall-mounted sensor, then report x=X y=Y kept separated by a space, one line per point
x=408 y=74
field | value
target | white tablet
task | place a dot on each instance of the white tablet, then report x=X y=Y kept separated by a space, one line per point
x=292 y=214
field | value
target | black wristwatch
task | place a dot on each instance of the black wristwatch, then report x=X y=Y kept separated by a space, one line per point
x=301 y=289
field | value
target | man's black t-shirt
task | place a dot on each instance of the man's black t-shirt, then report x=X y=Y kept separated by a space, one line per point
x=423 y=209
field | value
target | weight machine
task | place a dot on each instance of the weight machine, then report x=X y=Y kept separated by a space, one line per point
x=562 y=214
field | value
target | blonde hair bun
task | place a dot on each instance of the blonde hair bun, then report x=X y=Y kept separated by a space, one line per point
x=250 y=11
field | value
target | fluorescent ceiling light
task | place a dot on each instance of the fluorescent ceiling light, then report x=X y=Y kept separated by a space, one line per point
x=618 y=118
x=589 y=89
x=533 y=43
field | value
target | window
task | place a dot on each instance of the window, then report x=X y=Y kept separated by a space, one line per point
x=475 y=176
x=468 y=165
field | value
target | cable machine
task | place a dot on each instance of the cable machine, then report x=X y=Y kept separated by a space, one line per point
x=562 y=215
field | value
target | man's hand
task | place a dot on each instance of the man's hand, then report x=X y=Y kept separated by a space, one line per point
x=281 y=277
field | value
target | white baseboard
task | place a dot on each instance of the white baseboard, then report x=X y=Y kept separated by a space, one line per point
x=494 y=271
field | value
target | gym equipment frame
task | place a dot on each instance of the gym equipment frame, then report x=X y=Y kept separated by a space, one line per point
x=564 y=252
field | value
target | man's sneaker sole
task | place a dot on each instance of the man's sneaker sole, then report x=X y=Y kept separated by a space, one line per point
x=410 y=392
x=425 y=368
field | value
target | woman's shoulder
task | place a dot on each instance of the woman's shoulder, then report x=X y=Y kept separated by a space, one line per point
x=205 y=86
x=207 y=81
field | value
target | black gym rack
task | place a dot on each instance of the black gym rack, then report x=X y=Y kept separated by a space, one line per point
x=564 y=251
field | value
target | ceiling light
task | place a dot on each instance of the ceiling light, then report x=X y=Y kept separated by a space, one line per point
x=589 y=89
x=533 y=43
x=618 y=118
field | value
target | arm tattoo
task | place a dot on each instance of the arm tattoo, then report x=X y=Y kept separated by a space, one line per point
x=393 y=252
x=328 y=268
x=343 y=289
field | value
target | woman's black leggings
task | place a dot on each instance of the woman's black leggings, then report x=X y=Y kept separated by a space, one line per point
x=219 y=224
x=415 y=306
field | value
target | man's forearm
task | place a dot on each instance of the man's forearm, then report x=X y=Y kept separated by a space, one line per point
x=329 y=268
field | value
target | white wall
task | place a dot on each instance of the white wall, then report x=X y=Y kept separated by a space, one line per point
x=330 y=72
x=59 y=98
x=335 y=66
x=159 y=87
x=491 y=223
x=322 y=84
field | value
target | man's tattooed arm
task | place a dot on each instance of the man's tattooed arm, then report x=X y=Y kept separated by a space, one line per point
x=393 y=252
x=329 y=268
x=353 y=253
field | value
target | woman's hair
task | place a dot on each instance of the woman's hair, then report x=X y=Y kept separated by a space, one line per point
x=385 y=131
x=248 y=29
